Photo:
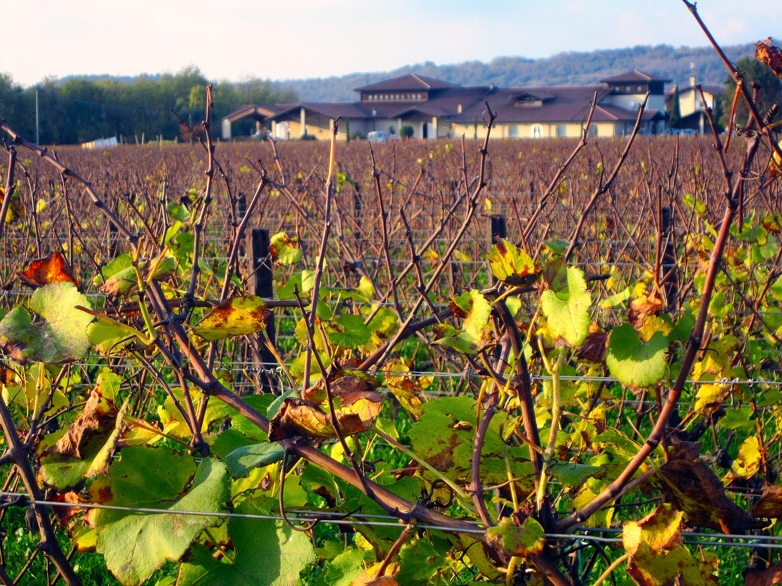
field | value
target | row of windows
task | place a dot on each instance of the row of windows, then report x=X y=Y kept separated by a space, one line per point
x=395 y=96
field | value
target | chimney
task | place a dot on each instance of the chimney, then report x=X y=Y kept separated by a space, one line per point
x=491 y=87
x=459 y=109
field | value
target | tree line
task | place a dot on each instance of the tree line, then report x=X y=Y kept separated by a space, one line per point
x=79 y=109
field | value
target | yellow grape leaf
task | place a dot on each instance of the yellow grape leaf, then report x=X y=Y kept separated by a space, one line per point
x=748 y=461
x=236 y=316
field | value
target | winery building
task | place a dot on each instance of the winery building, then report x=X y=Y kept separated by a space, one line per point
x=437 y=109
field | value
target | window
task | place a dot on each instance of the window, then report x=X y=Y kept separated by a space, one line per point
x=592 y=130
x=513 y=131
x=536 y=131
x=561 y=130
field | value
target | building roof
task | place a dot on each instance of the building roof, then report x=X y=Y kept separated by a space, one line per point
x=465 y=105
x=634 y=76
x=409 y=82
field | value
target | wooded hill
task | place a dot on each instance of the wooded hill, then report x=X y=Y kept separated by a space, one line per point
x=564 y=68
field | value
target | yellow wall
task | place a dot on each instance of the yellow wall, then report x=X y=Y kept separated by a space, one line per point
x=572 y=130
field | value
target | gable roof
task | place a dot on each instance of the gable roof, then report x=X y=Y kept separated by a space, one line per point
x=634 y=76
x=409 y=82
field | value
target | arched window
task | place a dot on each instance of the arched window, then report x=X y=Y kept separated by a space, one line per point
x=536 y=131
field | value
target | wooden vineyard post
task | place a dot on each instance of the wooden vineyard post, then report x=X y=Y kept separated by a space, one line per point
x=499 y=229
x=669 y=259
x=262 y=285
x=113 y=241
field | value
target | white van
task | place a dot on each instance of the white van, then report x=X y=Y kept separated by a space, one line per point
x=377 y=136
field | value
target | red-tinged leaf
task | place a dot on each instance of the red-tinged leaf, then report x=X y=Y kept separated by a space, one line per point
x=595 y=347
x=297 y=417
x=642 y=307
x=237 y=316
x=285 y=249
x=511 y=264
x=50 y=269
x=524 y=539
x=694 y=488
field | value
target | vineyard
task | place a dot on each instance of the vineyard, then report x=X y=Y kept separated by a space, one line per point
x=444 y=362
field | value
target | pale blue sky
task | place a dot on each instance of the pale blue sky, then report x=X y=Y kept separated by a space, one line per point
x=236 y=39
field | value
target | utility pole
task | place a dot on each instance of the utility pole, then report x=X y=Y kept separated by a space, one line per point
x=37 y=133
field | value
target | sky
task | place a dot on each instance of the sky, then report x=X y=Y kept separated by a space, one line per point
x=292 y=39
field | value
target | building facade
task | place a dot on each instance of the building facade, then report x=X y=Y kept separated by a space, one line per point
x=434 y=108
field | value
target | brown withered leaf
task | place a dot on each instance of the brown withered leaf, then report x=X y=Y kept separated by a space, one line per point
x=767 y=53
x=343 y=387
x=298 y=417
x=97 y=418
x=765 y=577
x=770 y=504
x=50 y=269
x=65 y=514
x=457 y=311
x=595 y=346
x=644 y=306
x=694 y=488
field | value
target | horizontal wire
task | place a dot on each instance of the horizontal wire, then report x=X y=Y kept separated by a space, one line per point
x=304 y=516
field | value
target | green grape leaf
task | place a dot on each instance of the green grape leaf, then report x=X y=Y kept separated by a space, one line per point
x=267 y=552
x=109 y=335
x=634 y=363
x=736 y=418
x=572 y=475
x=418 y=562
x=349 y=331
x=475 y=310
x=236 y=316
x=511 y=264
x=244 y=459
x=523 y=541
x=285 y=249
x=136 y=545
x=123 y=261
x=342 y=569
x=124 y=281
x=61 y=336
x=567 y=309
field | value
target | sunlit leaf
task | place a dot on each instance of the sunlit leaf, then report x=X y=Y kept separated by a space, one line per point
x=567 y=308
x=60 y=335
x=747 y=463
x=657 y=555
x=285 y=249
x=136 y=545
x=266 y=552
x=523 y=541
x=244 y=459
x=633 y=362
x=349 y=331
x=236 y=316
x=51 y=269
x=511 y=264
